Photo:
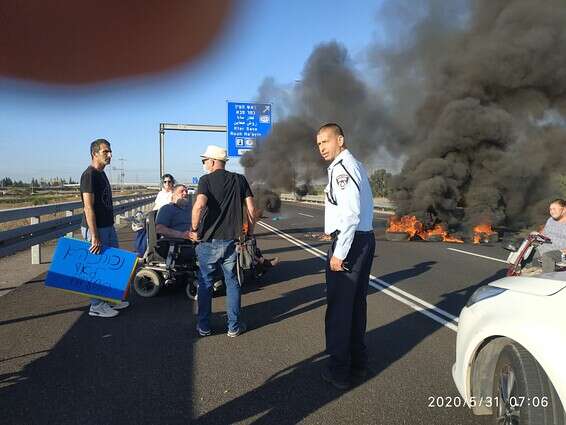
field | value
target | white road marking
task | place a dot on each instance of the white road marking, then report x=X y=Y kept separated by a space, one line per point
x=306 y=215
x=477 y=255
x=402 y=296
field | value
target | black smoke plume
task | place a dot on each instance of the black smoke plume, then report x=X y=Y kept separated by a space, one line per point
x=330 y=91
x=484 y=137
x=471 y=95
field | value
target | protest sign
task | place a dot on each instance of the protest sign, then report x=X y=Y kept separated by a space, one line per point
x=106 y=275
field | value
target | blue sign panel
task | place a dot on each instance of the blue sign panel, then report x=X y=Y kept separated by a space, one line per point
x=195 y=180
x=247 y=122
x=104 y=276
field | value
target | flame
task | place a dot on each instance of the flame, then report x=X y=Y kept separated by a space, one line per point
x=440 y=230
x=408 y=224
x=437 y=230
x=413 y=227
x=452 y=239
x=483 y=228
x=481 y=231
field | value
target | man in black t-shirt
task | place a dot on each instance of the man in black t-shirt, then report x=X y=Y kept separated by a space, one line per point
x=217 y=219
x=98 y=218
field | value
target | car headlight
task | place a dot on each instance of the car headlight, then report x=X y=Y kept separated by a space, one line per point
x=484 y=293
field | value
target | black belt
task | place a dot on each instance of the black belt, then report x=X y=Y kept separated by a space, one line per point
x=335 y=234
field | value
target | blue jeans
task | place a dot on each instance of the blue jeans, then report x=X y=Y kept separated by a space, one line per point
x=109 y=238
x=211 y=256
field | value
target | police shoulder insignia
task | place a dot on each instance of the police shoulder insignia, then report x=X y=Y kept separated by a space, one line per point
x=342 y=180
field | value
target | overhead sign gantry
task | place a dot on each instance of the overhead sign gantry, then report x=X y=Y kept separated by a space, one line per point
x=247 y=122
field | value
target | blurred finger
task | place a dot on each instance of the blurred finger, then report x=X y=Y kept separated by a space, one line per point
x=74 y=42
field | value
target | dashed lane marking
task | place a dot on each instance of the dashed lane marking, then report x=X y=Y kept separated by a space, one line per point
x=476 y=255
x=431 y=311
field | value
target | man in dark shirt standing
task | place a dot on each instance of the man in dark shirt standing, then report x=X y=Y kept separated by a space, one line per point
x=98 y=219
x=217 y=219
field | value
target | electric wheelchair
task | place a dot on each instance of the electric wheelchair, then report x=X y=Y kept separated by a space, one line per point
x=167 y=262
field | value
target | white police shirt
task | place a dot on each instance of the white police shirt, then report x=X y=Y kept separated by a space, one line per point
x=348 y=202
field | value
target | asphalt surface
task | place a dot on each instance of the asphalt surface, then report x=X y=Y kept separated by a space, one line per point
x=147 y=366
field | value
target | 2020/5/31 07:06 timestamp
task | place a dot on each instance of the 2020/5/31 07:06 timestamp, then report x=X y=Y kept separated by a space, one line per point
x=515 y=401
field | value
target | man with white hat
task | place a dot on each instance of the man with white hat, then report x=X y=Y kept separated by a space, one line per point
x=217 y=217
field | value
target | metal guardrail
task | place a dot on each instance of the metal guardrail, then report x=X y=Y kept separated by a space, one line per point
x=33 y=235
x=379 y=204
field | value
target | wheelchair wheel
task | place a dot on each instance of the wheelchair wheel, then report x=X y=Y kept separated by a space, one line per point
x=147 y=283
x=191 y=290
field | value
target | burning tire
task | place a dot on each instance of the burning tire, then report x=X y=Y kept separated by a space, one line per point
x=434 y=238
x=397 y=236
x=272 y=202
x=488 y=237
x=266 y=199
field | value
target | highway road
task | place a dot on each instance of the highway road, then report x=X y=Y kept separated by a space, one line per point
x=59 y=365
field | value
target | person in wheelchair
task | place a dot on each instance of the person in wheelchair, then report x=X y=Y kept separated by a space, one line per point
x=551 y=254
x=173 y=220
x=170 y=255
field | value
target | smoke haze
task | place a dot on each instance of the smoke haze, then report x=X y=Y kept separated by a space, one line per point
x=472 y=97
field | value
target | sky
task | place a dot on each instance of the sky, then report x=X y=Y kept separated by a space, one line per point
x=45 y=131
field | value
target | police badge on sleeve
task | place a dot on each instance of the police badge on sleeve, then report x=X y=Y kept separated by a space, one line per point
x=342 y=180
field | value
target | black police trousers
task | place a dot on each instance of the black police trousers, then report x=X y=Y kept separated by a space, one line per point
x=346 y=311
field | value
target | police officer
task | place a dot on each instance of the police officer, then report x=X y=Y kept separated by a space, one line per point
x=348 y=219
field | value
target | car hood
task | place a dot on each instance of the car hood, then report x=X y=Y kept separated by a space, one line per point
x=545 y=284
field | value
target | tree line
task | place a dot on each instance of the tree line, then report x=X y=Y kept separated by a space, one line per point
x=380 y=182
x=52 y=182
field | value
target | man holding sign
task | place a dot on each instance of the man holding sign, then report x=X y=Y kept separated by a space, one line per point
x=97 y=225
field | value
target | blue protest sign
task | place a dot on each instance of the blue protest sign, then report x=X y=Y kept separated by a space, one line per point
x=246 y=123
x=106 y=275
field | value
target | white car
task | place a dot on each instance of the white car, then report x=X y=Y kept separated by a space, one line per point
x=511 y=350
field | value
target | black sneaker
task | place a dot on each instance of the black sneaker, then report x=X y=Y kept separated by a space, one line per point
x=202 y=332
x=241 y=329
x=359 y=372
x=336 y=383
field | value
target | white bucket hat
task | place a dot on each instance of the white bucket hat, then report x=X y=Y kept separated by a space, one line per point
x=215 y=152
